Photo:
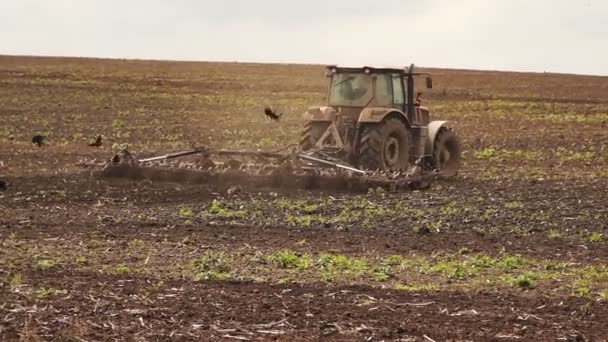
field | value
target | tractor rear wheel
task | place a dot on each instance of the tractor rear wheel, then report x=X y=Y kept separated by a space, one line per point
x=312 y=132
x=446 y=152
x=385 y=146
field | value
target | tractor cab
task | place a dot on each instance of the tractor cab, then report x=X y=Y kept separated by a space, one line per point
x=373 y=119
x=362 y=87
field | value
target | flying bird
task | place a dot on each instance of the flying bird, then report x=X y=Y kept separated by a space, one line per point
x=39 y=140
x=271 y=114
x=97 y=142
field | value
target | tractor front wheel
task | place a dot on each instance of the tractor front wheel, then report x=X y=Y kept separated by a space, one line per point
x=385 y=146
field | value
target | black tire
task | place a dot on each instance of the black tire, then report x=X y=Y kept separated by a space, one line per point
x=313 y=130
x=385 y=146
x=446 y=152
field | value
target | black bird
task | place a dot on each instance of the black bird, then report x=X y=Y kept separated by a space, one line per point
x=39 y=140
x=4 y=184
x=271 y=114
x=97 y=142
x=124 y=156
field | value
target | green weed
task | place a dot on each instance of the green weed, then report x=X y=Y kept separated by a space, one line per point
x=289 y=203
x=450 y=209
x=487 y=153
x=16 y=280
x=333 y=265
x=380 y=273
x=482 y=261
x=185 y=212
x=511 y=261
x=213 y=265
x=42 y=292
x=523 y=281
x=44 y=264
x=587 y=278
x=304 y=220
x=118 y=124
x=595 y=237
x=347 y=215
x=514 y=205
x=554 y=234
x=310 y=208
x=569 y=156
x=556 y=265
x=488 y=213
x=217 y=208
x=122 y=269
x=266 y=143
x=394 y=260
x=378 y=191
x=582 y=291
x=453 y=269
x=289 y=259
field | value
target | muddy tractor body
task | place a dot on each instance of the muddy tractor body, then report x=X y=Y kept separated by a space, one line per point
x=374 y=119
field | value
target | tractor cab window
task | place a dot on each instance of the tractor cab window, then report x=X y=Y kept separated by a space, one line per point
x=350 y=90
x=384 y=90
x=398 y=90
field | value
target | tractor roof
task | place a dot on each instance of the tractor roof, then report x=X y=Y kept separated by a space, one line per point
x=367 y=69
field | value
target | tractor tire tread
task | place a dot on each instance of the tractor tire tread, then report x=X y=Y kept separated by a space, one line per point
x=444 y=135
x=371 y=144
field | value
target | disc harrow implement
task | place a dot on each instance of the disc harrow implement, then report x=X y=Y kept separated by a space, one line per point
x=293 y=170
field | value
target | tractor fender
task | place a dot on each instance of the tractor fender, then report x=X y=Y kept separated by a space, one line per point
x=433 y=128
x=320 y=114
x=377 y=114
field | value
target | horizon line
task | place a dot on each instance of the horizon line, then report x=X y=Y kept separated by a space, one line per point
x=221 y=61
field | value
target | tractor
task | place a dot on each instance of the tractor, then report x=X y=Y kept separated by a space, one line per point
x=374 y=120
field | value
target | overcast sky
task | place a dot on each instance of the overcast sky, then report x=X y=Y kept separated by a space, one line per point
x=526 y=35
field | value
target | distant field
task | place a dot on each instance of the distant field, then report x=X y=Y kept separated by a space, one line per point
x=514 y=248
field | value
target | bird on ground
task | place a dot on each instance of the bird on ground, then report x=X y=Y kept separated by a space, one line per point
x=4 y=184
x=40 y=140
x=124 y=156
x=271 y=114
x=97 y=142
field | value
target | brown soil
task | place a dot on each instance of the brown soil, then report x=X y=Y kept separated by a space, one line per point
x=98 y=307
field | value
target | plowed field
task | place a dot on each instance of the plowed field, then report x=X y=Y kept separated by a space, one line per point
x=514 y=248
